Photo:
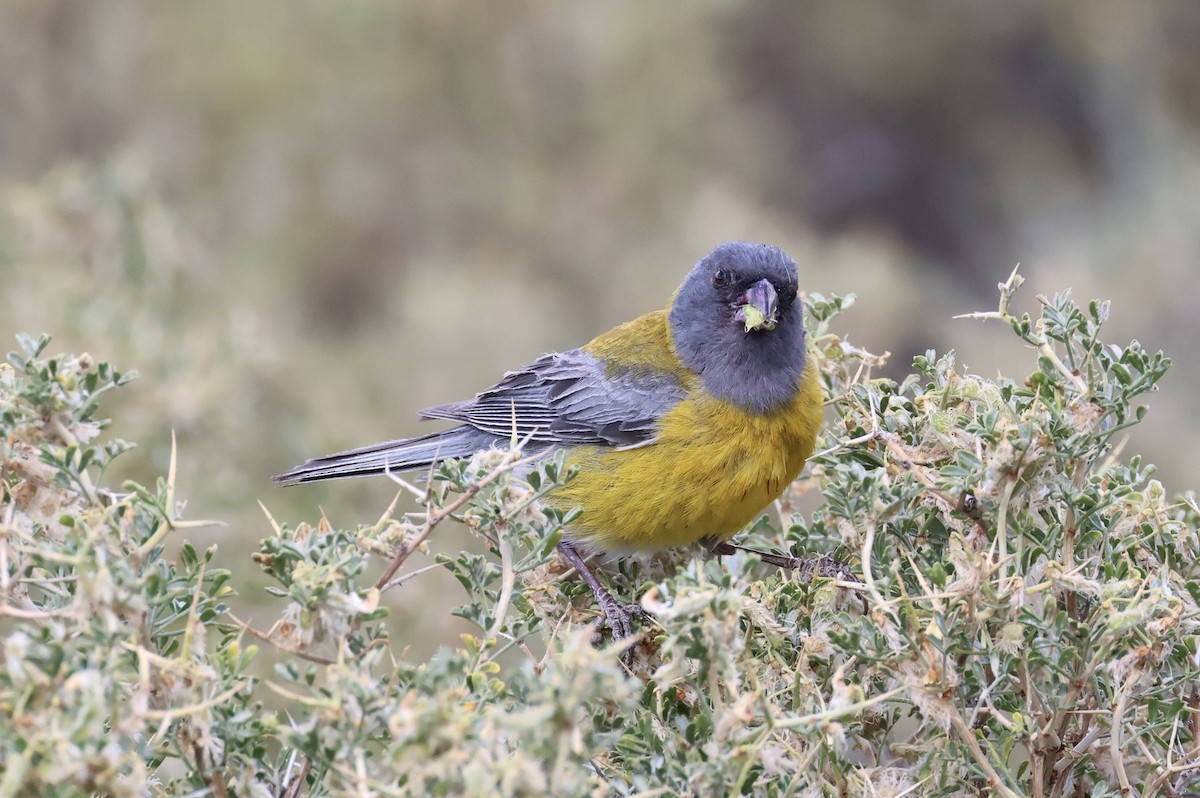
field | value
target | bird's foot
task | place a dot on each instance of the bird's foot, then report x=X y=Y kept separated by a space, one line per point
x=620 y=618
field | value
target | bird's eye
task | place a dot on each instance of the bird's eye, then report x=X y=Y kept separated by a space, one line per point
x=721 y=278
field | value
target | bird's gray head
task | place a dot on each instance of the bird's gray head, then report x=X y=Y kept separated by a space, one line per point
x=738 y=323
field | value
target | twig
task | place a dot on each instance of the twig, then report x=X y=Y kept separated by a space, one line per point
x=37 y=615
x=967 y=735
x=866 y=438
x=435 y=517
x=292 y=786
x=874 y=434
x=508 y=579
x=68 y=438
x=5 y=586
x=168 y=715
x=168 y=523
x=391 y=508
x=331 y=704
x=1037 y=339
x=1048 y=352
x=419 y=494
x=913 y=788
x=402 y=578
x=868 y=577
x=165 y=525
x=1001 y=538
x=266 y=638
x=1118 y=723
x=828 y=715
x=1173 y=769
x=193 y=619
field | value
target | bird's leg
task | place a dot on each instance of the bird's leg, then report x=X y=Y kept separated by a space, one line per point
x=809 y=567
x=722 y=547
x=620 y=618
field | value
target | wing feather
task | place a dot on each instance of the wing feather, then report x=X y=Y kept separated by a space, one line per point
x=570 y=397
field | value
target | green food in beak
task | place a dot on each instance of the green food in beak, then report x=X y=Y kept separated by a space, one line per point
x=760 y=307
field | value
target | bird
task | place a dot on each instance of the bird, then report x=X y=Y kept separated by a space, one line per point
x=682 y=425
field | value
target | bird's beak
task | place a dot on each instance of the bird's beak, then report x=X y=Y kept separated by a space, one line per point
x=758 y=308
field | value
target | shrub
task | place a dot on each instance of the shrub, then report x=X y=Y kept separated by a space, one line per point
x=1022 y=617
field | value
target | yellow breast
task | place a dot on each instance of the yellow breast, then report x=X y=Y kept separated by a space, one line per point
x=712 y=470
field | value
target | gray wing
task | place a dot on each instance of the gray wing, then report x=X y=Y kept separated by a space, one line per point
x=567 y=397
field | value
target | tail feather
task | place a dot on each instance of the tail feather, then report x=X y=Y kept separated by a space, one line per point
x=406 y=454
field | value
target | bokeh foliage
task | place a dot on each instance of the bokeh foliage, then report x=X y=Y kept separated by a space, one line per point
x=278 y=215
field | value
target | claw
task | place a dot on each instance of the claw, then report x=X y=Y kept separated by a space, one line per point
x=622 y=620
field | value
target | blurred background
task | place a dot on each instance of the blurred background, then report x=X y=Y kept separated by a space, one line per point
x=300 y=222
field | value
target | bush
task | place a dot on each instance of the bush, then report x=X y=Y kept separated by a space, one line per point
x=1022 y=620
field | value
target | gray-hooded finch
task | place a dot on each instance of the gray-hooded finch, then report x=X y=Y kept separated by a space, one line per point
x=685 y=423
